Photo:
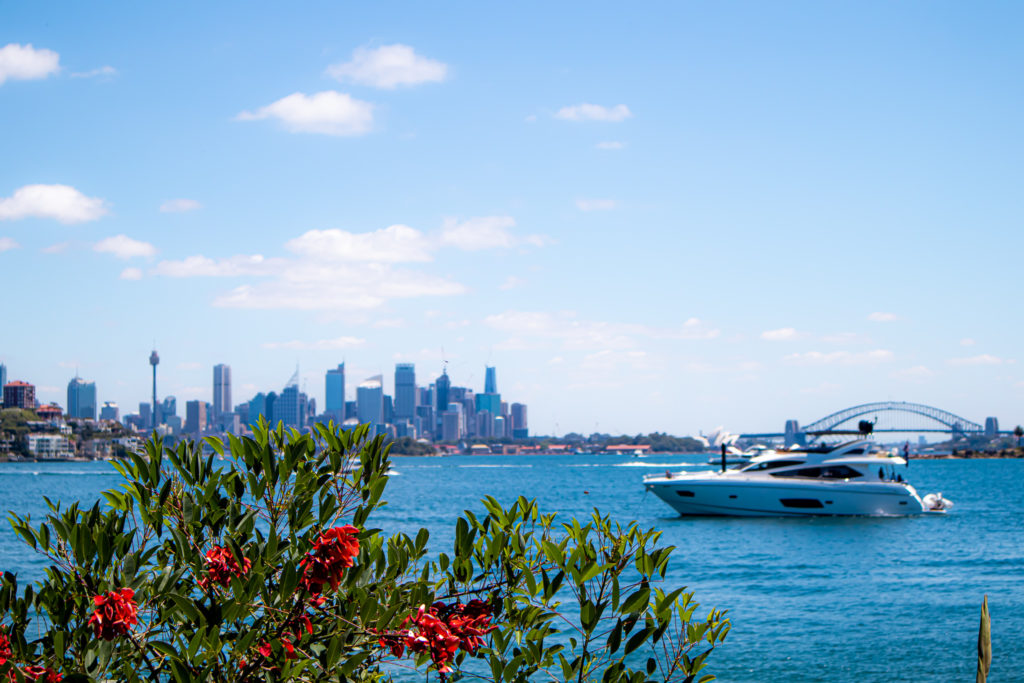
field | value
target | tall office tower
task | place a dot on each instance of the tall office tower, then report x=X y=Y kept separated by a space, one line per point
x=20 y=395
x=110 y=411
x=370 y=401
x=146 y=415
x=289 y=406
x=388 y=412
x=500 y=428
x=82 y=399
x=334 y=384
x=351 y=411
x=441 y=387
x=490 y=380
x=269 y=404
x=168 y=408
x=405 y=391
x=519 y=429
x=257 y=407
x=3 y=380
x=221 y=391
x=451 y=423
x=195 y=417
x=484 y=424
x=154 y=360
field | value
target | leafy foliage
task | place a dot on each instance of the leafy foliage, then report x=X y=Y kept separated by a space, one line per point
x=264 y=566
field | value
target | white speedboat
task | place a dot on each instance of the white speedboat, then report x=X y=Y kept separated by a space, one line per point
x=847 y=479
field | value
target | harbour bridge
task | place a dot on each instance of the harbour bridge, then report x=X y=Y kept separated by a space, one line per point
x=887 y=416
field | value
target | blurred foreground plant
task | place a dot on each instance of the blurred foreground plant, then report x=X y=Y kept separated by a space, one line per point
x=263 y=567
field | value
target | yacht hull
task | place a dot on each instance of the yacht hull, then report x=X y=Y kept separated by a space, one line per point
x=724 y=496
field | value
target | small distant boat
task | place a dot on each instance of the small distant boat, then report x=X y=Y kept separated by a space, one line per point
x=852 y=478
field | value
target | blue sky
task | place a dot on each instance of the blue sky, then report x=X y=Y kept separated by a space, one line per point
x=665 y=217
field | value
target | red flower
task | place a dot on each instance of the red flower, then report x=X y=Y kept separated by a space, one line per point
x=5 y=648
x=441 y=630
x=43 y=674
x=221 y=565
x=331 y=555
x=115 y=614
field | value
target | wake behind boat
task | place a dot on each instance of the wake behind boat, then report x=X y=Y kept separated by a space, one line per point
x=847 y=479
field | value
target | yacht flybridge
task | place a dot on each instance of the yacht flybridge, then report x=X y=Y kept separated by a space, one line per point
x=852 y=478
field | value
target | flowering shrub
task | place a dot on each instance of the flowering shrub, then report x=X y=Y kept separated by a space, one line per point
x=263 y=566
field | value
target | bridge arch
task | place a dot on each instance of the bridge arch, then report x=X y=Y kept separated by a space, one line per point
x=949 y=420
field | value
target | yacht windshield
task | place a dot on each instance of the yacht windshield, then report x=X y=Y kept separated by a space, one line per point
x=830 y=472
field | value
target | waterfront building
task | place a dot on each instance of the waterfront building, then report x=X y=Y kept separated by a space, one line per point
x=49 y=446
x=221 y=391
x=405 y=391
x=450 y=423
x=370 y=401
x=195 y=417
x=82 y=399
x=500 y=431
x=334 y=385
x=19 y=394
x=519 y=427
x=110 y=411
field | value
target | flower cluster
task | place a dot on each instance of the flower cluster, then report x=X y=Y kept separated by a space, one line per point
x=29 y=673
x=331 y=555
x=441 y=630
x=115 y=614
x=221 y=565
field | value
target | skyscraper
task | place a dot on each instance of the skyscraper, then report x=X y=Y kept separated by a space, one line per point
x=195 y=417
x=405 y=391
x=221 y=391
x=82 y=399
x=490 y=380
x=110 y=411
x=3 y=379
x=334 y=385
x=441 y=386
x=370 y=401
x=519 y=429
x=168 y=408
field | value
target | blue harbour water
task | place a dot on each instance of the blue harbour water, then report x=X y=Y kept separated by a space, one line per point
x=817 y=599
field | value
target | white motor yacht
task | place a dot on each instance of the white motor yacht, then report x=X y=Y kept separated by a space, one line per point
x=852 y=478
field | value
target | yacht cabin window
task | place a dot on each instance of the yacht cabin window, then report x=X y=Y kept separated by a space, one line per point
x=771 y=465
x=830 y=472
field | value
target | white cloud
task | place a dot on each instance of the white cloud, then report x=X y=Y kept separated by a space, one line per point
x=596 y=204
x=966 y=341
x=328 y=112
x=7 y=243
x=56 y=248
x=24 y=63
x=511 y=282
x=532 y=118
x=574 y=334
x=389 y=323
x=610 y=145
x=124 y=247
x=594 y=112
x=781 y=334
x=186 y=365
x=840 y=357
x=319 y=345
x=202 y=266
x=485 y=232
x=394 y=244
x=879 y=317
x=60 y=202
x=180 y=205
x=131 y=274
x=917 y=372
x=388 y=67
x=983 y=359
x=102 y=72
x=305 y=286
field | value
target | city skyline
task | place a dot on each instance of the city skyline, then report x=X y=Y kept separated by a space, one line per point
x=664 y=218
